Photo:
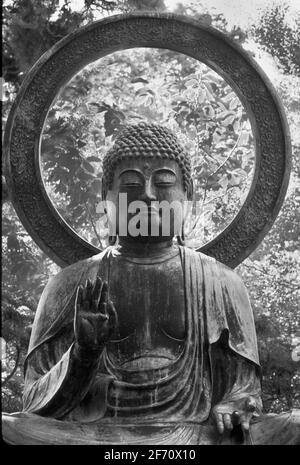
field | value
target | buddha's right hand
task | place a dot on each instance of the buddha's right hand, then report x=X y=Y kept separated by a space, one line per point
x=95 y=317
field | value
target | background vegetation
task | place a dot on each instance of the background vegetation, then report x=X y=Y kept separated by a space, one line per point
x=192 y=100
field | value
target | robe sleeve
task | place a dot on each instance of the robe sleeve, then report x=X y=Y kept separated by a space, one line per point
x=231 y=333
x=227 y=307
x=57 y=377
x=234 y=377
x=229 y=328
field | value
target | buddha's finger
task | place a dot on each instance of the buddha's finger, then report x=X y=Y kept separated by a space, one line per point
x=227 y=421
x=88 y=290
x=102 y=306
x=83 y=286
x=79 y=296
x=219 y=422
x=96 y=293
x=113 y=316
x=78 y=304
x=86 y=297
x=245 y=423
x=104 y=294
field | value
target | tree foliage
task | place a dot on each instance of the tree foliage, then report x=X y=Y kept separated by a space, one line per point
x=279 y=38
x=156 y=86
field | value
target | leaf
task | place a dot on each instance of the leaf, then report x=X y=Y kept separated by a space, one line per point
x=99 y=107
x=87 y=166
x=223 y=181
x=244 y=138
x=74 y=165
x=83 y=175
x=67 y=162
x=217 y=136
x=145 y=100
x=209 y=92
x=296 y=354
x=240 y=172
x=144 y=91
x=209 y=111
x=191 y=76
x=223 y=114
x=112 y=121
x=81 y=143
x=13 y=242
x=61 y=188
x=140 y=79
x=235 y=179
x=213 y=77
x=94 y=159
x=73 y=152
x=234 y=103
x=229 y=97
x=78 y=210
x=97 y=186
x=201 y=95
x=191 y=83
x=228 y=120
x=236 y=125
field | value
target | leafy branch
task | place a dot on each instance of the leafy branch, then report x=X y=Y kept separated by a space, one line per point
x=227 y=158
x=18 y=353
x=265 y=272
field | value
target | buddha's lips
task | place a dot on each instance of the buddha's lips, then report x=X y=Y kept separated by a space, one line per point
x=147 y=362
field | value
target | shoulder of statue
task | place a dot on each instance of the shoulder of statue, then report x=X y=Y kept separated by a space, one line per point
x=56 y=306
x=229 y=274
x=73 y=272
x=61 y=288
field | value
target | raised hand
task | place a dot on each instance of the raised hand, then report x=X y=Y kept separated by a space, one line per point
x=95 y=317
x=233 y=413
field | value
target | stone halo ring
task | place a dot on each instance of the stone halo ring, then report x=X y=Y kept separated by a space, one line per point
x=154 y=30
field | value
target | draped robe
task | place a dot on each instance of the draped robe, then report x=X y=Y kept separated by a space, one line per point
x=71 y=401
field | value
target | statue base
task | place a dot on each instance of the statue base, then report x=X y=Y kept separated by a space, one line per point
x=30 y=429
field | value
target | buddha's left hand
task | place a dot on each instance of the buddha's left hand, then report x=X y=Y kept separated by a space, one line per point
x=231 y=413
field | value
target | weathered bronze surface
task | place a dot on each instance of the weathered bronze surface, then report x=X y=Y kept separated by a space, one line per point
x=148 y=342
x=181 y=34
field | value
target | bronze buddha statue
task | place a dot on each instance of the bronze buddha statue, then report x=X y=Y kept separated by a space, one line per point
x=148 y=342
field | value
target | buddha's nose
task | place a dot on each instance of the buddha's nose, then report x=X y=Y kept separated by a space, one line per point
x=149 y=192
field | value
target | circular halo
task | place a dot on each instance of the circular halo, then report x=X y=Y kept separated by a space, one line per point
x=167 y=31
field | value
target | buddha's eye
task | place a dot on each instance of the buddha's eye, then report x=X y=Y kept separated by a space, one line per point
x=131 y=179
x=164 y=178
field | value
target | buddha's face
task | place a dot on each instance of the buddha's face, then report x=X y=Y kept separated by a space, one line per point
x=148 y=196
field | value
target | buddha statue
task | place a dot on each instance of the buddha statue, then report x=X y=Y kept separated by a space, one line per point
x=148 y=342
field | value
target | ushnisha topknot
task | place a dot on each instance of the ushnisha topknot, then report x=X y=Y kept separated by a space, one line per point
x=146 y=140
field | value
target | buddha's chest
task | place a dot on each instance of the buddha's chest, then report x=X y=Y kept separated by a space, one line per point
x=150 y=303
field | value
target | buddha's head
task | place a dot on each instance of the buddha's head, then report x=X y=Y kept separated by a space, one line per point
x=144 y=172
